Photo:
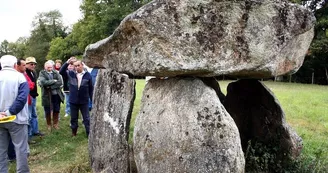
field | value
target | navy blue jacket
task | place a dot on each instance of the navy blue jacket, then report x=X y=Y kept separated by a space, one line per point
x=82 y=95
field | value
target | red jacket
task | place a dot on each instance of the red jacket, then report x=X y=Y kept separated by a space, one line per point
x=31 y=86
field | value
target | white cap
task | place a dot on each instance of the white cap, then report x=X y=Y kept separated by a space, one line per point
x=8 y=61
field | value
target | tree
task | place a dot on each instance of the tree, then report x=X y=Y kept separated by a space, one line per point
x=100 y=19
x=46 y=26
x=4 y=48
x=316 y=62
x=314 y=68
x=63 y=48
x=52 y=20
x=18 y=48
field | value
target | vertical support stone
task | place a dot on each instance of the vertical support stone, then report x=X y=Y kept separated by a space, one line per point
x=183 y=127
x=110 y=120
x=213 y=83
x=261 y=120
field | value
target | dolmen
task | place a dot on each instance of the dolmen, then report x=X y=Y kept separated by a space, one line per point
x=185 y=123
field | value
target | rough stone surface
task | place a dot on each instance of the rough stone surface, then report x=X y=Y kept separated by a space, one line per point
x=213 y=83
x=250 y=38
x=110 y=120
x=183 y=127
x=260 y=118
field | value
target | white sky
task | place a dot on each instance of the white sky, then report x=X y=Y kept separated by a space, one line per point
x=16 y=16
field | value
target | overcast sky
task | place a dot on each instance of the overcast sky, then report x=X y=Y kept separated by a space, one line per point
x=16 y=16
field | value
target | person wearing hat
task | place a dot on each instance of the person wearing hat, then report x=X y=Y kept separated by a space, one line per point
x=30 y=71
x=14 y=90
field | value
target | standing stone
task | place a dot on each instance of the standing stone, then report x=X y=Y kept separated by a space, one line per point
x=249 y=38
x=110 y=120
x=260 y=119
x=213 y=83
x=183 y=127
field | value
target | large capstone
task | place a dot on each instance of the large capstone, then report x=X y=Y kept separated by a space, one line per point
x=261 y=121
x=183 y=127
x=110 y=120
x=250 y=38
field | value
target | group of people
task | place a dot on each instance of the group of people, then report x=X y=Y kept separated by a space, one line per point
x=18 y=96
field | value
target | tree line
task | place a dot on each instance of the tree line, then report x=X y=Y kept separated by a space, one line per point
x=315 y=66
x=50 y=39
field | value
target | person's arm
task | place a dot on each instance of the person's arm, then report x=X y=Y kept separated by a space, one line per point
x=31 y=84
x=59 y=82
x=90 y=88
x=63 y=69
x=20 y=100
x=45 y=82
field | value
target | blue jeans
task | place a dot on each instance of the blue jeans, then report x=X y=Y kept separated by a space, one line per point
x=33 y=119
x=67 y=108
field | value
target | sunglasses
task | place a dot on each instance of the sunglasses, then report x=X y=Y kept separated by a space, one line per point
x=32 y=64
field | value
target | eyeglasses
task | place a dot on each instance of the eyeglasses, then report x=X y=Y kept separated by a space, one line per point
x=33 y=64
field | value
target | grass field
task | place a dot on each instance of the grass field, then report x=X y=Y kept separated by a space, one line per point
x=305 y=106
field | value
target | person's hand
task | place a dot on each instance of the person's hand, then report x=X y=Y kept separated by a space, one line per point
x=71 y=60
x=3 y=114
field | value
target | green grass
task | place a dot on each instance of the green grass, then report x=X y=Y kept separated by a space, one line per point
x=58 y=151
x=305 y=106
x=306 y=109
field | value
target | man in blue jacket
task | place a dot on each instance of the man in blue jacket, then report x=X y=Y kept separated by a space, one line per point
x=81 y=90
x=14 y=90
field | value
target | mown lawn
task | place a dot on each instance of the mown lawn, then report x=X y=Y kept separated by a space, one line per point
x=305 y=106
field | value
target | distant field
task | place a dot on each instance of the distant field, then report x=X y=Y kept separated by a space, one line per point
x=305 y=106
